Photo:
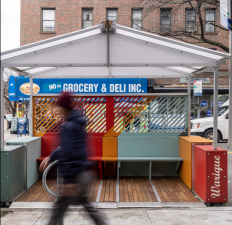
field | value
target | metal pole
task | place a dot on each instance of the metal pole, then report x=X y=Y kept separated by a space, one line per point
x=215 y=109
x=2 y=108
x=194 y=106
x=189 y=105
x=108 y=42
x=31 y=107
x=198 y=109
x=230 y=98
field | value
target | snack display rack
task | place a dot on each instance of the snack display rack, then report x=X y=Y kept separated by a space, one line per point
x=14 y=125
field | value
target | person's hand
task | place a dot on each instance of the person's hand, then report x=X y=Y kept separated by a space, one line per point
x=44 y=164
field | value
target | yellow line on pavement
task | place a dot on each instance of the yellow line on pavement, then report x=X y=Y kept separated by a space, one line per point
x=229 y=152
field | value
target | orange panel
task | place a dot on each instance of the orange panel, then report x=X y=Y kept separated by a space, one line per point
x=196 y=139
x=185 y=148
x=110 y=147
x=109 y=158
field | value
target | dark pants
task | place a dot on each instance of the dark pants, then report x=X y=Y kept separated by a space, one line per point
x=80 y=199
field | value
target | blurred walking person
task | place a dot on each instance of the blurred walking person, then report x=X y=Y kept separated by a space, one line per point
x=72 y=163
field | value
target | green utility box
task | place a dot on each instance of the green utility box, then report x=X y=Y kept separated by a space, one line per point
x=33 y=152
x=12 y=172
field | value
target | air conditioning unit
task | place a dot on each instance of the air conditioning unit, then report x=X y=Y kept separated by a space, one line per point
x=191 y=29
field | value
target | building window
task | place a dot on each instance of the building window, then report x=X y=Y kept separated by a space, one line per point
x=190 y=19
x=165 y=20
x=209 y=20
x=87 y=18
x=112 y=15
x=137 y=19
x=48 y=20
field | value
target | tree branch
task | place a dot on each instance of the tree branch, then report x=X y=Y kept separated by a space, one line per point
x=219 y=26
x=9 y=102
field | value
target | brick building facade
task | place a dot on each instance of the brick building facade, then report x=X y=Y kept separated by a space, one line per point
x=66 y=16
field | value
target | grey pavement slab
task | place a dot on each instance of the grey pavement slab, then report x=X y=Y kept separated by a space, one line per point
x=202 y=216
x=190 y=217
x=21 y=218
x=112 y=218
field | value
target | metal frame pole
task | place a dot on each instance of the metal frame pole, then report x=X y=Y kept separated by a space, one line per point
x=215 y=109
x=2 y=108
x=230 y=98
x=31 y=107
x=108 y=42
x=194 y=107
x=189 y=105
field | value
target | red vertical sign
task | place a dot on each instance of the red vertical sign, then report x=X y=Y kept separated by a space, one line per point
x=210 y=174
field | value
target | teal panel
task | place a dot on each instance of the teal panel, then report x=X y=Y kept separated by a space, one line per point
x=5 y=176
x=148 y=146
x=22 y=140
x=164 y=169
x=12 y=172
x=134 y=169
x=151 y=158
x=17 y=172
x=162 y=114
x=33 y=152
x=160 y=134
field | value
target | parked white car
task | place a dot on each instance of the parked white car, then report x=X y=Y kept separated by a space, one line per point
x=204 y=126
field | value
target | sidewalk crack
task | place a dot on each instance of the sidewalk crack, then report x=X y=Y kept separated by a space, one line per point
x=149 y=221
x=39 y=217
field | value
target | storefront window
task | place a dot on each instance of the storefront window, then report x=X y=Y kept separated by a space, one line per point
x=206 y=110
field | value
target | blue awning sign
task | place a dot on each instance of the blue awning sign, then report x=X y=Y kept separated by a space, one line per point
x=19 y=87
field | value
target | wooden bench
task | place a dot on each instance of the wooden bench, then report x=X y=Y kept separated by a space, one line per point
x=149 y=149
x=150 y=160
x=50 y=142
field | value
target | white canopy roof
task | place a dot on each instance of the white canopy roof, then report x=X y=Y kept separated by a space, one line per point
x=126 y=52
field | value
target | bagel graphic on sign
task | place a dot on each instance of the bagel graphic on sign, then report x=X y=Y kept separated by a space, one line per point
x=25 y=88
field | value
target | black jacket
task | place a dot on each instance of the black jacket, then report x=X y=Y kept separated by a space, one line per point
x=72 y=152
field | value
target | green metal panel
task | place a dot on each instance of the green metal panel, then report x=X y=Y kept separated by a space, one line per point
x=33 y=152
x=17 y=171
x=137 y=169
x=161 y=134
x=5 y=176
x=163 y=159
x=22 y=140
x=164 y=169
x=148 y=146
x=163 y=114
x=12 y=172
x=149 y=143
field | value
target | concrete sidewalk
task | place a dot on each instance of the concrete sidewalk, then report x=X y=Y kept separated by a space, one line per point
x=194 y=216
